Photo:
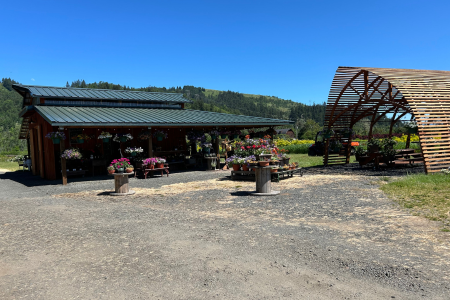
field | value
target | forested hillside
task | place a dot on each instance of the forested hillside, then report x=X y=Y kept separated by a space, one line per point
x=207 y=100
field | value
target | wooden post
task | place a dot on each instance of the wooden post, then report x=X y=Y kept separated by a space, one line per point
x=41 y=151
x=63 y=163
x=33 y=149
x=121 y=184
x=263 y=180
x=150 y=147
x=217 y=149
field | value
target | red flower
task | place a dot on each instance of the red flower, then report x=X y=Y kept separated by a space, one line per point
x=254 y=146
x=242 y=148
x=248 y=147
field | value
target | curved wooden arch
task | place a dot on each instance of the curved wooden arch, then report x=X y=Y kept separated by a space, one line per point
x=357 y=93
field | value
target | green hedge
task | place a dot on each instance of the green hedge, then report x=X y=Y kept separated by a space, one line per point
x=297 y=149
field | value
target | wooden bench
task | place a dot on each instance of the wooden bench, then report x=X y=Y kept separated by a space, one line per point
x=289 y=173
x=146 y=171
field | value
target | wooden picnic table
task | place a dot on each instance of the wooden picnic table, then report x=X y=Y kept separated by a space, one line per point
x=162 y=170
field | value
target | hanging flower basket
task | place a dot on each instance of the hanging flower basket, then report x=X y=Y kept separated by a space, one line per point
x=105 y=136
x=213 y=137
x=80 y=141
x=121 y=137
x=56 y=136
x=160 y=135
x=223 y=136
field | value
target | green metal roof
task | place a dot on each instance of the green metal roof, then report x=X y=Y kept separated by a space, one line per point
x=107 y=116
x=97 y=94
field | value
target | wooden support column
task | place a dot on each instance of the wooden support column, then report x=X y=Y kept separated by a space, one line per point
x=63 y=163
x=349 y=149
x=217 y=149
x=41 y=152
x=32 y=152
x=150 y=147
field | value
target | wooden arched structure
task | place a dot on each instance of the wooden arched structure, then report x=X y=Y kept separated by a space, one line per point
x=358 y=93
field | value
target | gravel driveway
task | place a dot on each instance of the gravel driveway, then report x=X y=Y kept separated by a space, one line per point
x=198 y=235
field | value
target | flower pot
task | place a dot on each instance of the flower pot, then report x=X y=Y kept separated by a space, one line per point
x=106 y=140
x=56 y=141
x=286 y=161
x=80 y=141
x=374 y=148
x=150 y=166
x=207 y=150
x=111 y=171
x=263 y=163
x=159 y=166
x=274 y=171
x=236 y=167
x=133 y=153
x=159 y=138
x=244 y=167
x=223 y=136
x=413 y=130
x=119 y=170
x=123 y=139
x=213 y=136
x=129 y=170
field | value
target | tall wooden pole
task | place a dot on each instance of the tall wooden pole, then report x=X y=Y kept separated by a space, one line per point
x=63 y=163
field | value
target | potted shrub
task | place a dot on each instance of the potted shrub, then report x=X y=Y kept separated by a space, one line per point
x=326 y=133
x=389 y=155
x=133 y=151
x=122 y=137
x=56 y=136
x=360 y=152
x=347 y=132
x=105 y=136
x=373 y=145
x=111 y=169
x=388 y=143
x=411 y=127
x=160 y=135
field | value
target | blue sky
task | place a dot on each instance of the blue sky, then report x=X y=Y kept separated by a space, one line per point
x=288 y=49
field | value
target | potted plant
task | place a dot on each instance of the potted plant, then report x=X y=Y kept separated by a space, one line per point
x=373 y=145
x=110 y=169
x=81 y=138
x=360 y=152
x=71 y=153
x=264 y=162
x=105 y=136
x=120 y=164
x=206 y=147
x=389 y=154
x=388 y=143
x=133 y=151
x=56 y=136
x=129 y=169
x=326 y=133
x=274 y=170
x=149 y=163
x=160 y=135
x=213 y=134
x=335 y=146
x=224 y=133
x=159 y=163
x=285 y=167
x=411 y=127
x=145 y=135
x=122 y=137
x=347 y=132
x=235 y=133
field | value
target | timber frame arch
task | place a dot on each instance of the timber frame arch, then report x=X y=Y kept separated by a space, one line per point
x=358 y=93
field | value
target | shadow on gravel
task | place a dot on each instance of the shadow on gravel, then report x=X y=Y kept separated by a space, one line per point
x=355 y=169
x=241 y=193
x=28 y=179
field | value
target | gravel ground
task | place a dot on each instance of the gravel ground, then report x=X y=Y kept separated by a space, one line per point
x=331 y=234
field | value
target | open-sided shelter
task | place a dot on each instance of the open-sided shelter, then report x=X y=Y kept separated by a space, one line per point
x=90 y=111
x=357 y=93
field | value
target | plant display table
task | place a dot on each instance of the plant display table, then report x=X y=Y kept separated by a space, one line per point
x=263 y=178
x=121 y=187
x=146 y=171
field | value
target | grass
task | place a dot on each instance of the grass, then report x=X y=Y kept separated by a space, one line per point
x=306 y=161
x=424 y=195
x=5 y=164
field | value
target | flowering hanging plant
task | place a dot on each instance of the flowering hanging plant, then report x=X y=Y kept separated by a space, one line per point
x=149 y=161
x=120 y=163
x=122 y=135
x=195 y=136
x=161 y=133
x=145 y=135
x=215 y=132
x=411 y=124
x=206 y=145
x=72 y=153
x=105 y=135
x=56 y=135
x=134 y=150
x=81 y=136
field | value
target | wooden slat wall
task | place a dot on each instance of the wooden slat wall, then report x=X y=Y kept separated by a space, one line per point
x=364 y=92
